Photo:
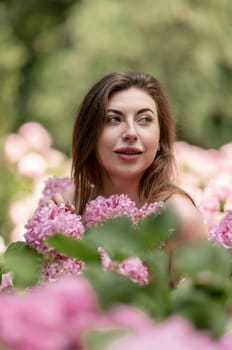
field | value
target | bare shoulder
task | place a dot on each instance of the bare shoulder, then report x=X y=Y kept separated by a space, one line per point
x=192 y=223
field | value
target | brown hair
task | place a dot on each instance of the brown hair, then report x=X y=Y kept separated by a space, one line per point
x=155 y=183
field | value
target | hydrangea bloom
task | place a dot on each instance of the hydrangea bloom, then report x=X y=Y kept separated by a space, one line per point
x=6 y=282
x=53 y=317
x=61 y=266
x=134 y=269
x=48 y=220
x=52 y=218
x=103 y=208
x=149 y=209
x=107 y=263
x=174 y=333
x=131 y=267
x=56 y=185
x=222 y=233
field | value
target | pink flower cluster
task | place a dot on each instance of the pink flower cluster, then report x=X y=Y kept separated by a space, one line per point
x=49 y=219
x=64 y=311
x=56 y=185
x=52 y=218
x=198 y=174
x=49 y=318
x=174 y=333
x=222 y=233
x=61 y=266
x=132 y=267
x=46 y=221
x=101 y=209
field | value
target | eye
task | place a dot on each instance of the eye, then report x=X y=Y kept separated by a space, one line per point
x=113 y=119
x=144 y=119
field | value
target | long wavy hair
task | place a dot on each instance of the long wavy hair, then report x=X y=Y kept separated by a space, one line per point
x=156 y=182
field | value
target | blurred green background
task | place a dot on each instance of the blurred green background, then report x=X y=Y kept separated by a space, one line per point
x=52 y=51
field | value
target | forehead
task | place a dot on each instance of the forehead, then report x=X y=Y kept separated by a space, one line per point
x=135 y=97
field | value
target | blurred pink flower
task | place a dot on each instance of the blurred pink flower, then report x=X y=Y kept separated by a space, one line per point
x=48 y=220
x=131 y=317
x=222 y=233
x=209 y=201
x=36 y=136
x=2 y=245
x=175 y=333
x=133 y=268
x=50 y=318
x=225 y=158
x=15 y=147
x=196 y=160
x=221 y=186
x=21 y=209
x=54 y=158
x=32 y=165
x=228 y=203
x=226 y=341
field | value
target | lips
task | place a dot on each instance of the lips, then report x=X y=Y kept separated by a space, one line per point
x=128 y=151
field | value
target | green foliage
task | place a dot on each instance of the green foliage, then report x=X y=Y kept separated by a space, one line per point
x=53 y=51
x=74 y=248
x=204 y=296
x=25 y=264
x=98 y=340
x=191 y=280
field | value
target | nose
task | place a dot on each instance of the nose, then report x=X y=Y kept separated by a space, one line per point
x=130 y=133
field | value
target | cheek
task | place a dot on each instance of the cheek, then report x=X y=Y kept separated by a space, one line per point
x=102 y=147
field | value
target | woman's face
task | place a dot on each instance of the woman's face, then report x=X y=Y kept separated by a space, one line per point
x=130 y=137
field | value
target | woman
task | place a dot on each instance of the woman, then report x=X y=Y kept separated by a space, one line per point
x=123 y=144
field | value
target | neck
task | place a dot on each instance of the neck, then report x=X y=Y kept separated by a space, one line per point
x=116 y=186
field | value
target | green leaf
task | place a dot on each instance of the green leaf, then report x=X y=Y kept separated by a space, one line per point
x=75 y=248
x=200 y=309
x=117 y=236
x=100 y=339
x=25 y=263
x=156 y=229
x=202 y=256
x=111 y=287
x=216 y=286
x=155 y=297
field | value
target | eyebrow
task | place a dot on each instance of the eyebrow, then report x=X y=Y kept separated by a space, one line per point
x=142 y=110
